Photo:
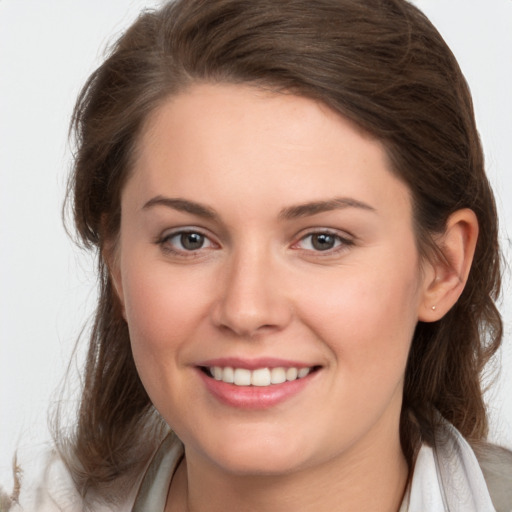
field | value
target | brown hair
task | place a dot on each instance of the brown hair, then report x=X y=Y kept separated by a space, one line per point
x=379 y=63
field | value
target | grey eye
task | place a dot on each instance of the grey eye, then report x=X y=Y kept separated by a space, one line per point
x=185 y=242
x=323 y=241
x=191 y=241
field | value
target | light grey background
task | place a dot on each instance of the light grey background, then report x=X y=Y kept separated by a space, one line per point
x=47 y=286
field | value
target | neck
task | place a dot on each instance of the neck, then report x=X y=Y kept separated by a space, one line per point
x=370 y=481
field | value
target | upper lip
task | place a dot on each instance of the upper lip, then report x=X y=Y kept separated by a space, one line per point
x=253 y=364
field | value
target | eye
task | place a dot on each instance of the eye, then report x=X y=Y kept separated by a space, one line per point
x=189 y=241
x=185 y=241
x=323 y=241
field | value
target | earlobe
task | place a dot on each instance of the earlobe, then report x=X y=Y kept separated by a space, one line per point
x=448 y=274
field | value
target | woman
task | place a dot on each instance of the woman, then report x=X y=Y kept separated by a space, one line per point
x=298 y=264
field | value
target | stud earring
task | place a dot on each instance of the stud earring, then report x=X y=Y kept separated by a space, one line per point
x=433 y=308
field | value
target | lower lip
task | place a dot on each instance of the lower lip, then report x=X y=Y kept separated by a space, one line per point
x=254 y=397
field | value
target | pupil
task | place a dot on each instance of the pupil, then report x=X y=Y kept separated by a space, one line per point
x=192 y=241
x=323 y=242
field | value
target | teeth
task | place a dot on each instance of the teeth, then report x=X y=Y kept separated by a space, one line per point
x=277 y=375
x=258 y=377
x=228 y=375
x=302 y=372
x=242 y=377
x=291 y=373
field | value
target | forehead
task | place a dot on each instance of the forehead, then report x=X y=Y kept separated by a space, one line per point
x=256 y=141
x=248 y=108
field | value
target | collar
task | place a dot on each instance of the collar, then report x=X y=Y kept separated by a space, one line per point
x=447 y=477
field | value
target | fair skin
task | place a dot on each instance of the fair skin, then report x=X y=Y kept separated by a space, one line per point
x=261 y=231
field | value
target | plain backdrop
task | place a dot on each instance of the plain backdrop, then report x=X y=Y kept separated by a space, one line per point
x=47 y=285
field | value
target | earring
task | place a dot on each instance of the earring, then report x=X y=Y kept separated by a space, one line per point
x=433 y=308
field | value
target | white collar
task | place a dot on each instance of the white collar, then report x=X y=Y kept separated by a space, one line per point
x=447 y=477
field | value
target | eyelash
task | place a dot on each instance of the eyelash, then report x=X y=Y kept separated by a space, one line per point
x=342 y=243
x=168 y=247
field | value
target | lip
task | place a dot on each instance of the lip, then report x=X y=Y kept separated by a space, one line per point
x=254 y=397
x=254 y=364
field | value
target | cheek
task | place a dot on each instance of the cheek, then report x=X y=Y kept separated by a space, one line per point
x=366 y=318
x=161 y=311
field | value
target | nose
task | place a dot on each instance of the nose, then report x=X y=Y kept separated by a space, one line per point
x=251 y=296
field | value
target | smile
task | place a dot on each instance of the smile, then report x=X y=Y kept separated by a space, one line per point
x=257 y=377
x=256 y=384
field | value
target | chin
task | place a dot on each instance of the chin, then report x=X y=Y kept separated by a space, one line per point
x=265 y=463
x=258 y=456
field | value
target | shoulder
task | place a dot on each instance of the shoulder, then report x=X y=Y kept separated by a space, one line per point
x=496 y=465
x=45 y=485
x=479 y=473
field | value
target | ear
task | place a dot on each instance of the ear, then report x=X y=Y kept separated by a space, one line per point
x=446 y=277
x=110 y=254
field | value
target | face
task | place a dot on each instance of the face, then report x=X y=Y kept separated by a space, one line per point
x=270 y=278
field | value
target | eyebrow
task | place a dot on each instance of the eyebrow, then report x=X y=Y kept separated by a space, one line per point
x=315 y=207
x=182 y=205
x=288 y=213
